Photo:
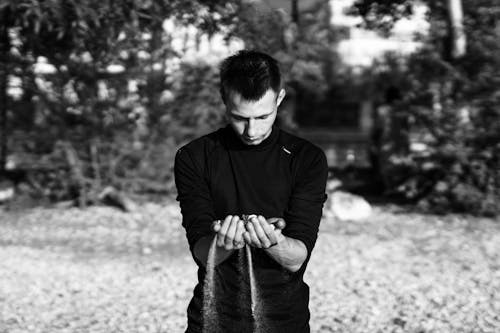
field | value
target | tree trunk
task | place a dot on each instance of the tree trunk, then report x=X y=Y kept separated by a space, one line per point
x=76 y=171
x=457 y=36
x=4 y=51
x=295 y=11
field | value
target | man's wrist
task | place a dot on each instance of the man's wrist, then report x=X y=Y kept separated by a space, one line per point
x=278 y=241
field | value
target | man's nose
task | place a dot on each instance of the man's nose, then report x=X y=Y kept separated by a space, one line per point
x=251 y=129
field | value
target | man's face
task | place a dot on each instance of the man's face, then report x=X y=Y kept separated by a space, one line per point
x=253 y=120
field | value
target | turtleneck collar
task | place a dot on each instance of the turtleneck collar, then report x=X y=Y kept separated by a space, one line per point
x=232 y=140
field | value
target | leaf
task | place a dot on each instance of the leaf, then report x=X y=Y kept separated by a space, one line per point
x=5 y=4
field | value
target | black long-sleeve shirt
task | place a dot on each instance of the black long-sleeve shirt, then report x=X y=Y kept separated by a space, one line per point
x=284 y=176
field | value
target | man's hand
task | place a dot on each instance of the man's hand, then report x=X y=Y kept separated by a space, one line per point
x=230 y=233
x=263 y=233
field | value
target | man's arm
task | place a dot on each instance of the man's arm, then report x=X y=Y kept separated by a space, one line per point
x=303 y=215
x=305 y=205
x=287 y=251
x=196 y=204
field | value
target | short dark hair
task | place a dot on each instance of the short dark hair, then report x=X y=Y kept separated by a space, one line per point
x=249 y=73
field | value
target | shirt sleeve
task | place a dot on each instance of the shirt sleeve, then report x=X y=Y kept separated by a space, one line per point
x=305 y=206
x=194 y=197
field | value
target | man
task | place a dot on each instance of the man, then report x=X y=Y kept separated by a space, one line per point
x=252 y=167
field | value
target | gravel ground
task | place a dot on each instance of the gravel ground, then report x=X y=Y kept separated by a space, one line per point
x=100 y=270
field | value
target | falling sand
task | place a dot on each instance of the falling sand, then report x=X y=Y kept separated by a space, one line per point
x=256 y=302
x=210 y=319
x=210 y=316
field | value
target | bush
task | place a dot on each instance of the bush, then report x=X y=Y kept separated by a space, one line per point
x=130 y=144
x=459 y=124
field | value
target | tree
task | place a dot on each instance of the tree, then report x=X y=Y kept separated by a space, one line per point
x=303 y=41
x=455 y=18
x=83 y=101
x=81 y=39
x=453 y=101
x=4 y=47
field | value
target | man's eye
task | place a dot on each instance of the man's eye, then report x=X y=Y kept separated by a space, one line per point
x=263 y=117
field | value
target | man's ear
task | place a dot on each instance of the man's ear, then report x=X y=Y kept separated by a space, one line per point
x=281 y=96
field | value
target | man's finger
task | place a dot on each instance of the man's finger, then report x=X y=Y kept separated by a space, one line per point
x=238 y=237
x=258 y=222
x=269 y=230
x=216 y=225
x=253 y=236
x=229 y=238
x=246 y=237
x=221 y=234
x=277 y=222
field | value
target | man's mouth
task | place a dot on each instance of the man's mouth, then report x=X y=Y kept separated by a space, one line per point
x=250 y=139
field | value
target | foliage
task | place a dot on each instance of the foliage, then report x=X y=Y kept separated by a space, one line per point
x=305 y=50
x=381 y=14
x=195 y=106
x=112 y=87
x=453 y=107
x=82 y=39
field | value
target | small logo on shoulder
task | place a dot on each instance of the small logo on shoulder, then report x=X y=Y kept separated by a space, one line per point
x=286 y=150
